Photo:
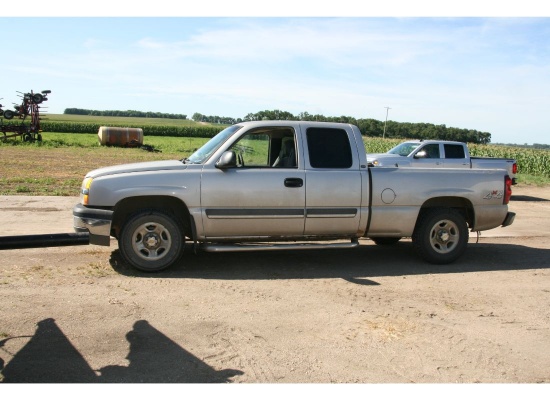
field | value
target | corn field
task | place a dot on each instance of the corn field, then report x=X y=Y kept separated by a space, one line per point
x=148 y=130
x=530 y=161
x=377 y=145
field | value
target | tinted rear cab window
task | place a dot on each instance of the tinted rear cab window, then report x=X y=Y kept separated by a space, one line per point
x=328 y=148
x=454 y=151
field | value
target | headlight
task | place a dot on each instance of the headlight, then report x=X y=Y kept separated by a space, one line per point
x=85 y=191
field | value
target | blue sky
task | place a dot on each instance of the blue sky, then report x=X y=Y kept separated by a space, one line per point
x=490 y=74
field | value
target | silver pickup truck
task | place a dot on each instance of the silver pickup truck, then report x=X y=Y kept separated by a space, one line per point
x=285 y=185
x=439 y=154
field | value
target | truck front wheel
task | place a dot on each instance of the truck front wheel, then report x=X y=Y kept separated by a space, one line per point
x=151 y=240
x=441 y=235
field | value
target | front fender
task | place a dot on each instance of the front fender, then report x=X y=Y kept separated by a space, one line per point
x=107 y=191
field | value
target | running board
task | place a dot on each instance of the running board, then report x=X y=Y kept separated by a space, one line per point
x=221 y=248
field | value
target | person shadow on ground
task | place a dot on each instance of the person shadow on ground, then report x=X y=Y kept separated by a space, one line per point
x=50 y=357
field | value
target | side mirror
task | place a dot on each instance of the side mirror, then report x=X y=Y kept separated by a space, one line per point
x=421 y=154
x=227 y=160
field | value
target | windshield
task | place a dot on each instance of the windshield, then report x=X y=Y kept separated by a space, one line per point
x=404 y=149
x=202 y=154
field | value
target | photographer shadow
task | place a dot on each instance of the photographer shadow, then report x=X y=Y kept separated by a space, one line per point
x=50 y=357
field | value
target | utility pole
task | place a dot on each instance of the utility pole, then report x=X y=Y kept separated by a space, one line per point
x=387 y=110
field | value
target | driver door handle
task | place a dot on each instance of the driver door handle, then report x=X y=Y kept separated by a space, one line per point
x=294 y=182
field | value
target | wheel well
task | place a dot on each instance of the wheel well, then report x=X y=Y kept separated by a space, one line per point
x=461 y=204
x=172 y=205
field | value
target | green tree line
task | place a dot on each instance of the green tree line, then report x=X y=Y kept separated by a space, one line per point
x=120 y=113
x=368 y=127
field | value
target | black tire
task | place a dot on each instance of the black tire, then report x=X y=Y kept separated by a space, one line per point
x=37 y=98
x=8 y=114
x=440 y=236
x=385 y=241
x=151 y=240
x=27 y=137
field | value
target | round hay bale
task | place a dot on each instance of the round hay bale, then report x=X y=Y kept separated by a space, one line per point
x=124 y=137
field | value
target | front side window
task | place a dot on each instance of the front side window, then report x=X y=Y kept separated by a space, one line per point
x=267 y=148
x=432 y=150
x=252 y=150
x=329 y=148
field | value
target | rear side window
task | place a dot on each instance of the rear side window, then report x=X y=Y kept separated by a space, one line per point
x=329 y=148
x=454 y=151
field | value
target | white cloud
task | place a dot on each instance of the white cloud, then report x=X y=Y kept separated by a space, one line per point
x=470 y=73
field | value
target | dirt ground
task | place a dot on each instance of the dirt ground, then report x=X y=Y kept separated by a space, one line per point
x=373 y=314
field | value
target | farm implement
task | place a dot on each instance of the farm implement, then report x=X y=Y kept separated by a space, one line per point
x=24 y=119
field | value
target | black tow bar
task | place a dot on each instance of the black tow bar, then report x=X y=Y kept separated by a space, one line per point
x=48 y=240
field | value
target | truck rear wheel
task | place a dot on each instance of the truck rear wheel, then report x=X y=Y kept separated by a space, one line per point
x=441 y=235
x=151 y=240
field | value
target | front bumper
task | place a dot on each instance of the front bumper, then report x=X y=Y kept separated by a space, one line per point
x=95 y=221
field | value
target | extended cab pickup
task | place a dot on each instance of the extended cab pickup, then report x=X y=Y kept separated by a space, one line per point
x=283 y=185
x=439 y=154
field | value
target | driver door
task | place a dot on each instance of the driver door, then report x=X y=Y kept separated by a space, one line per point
x=429 y=156
x=261 y=196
